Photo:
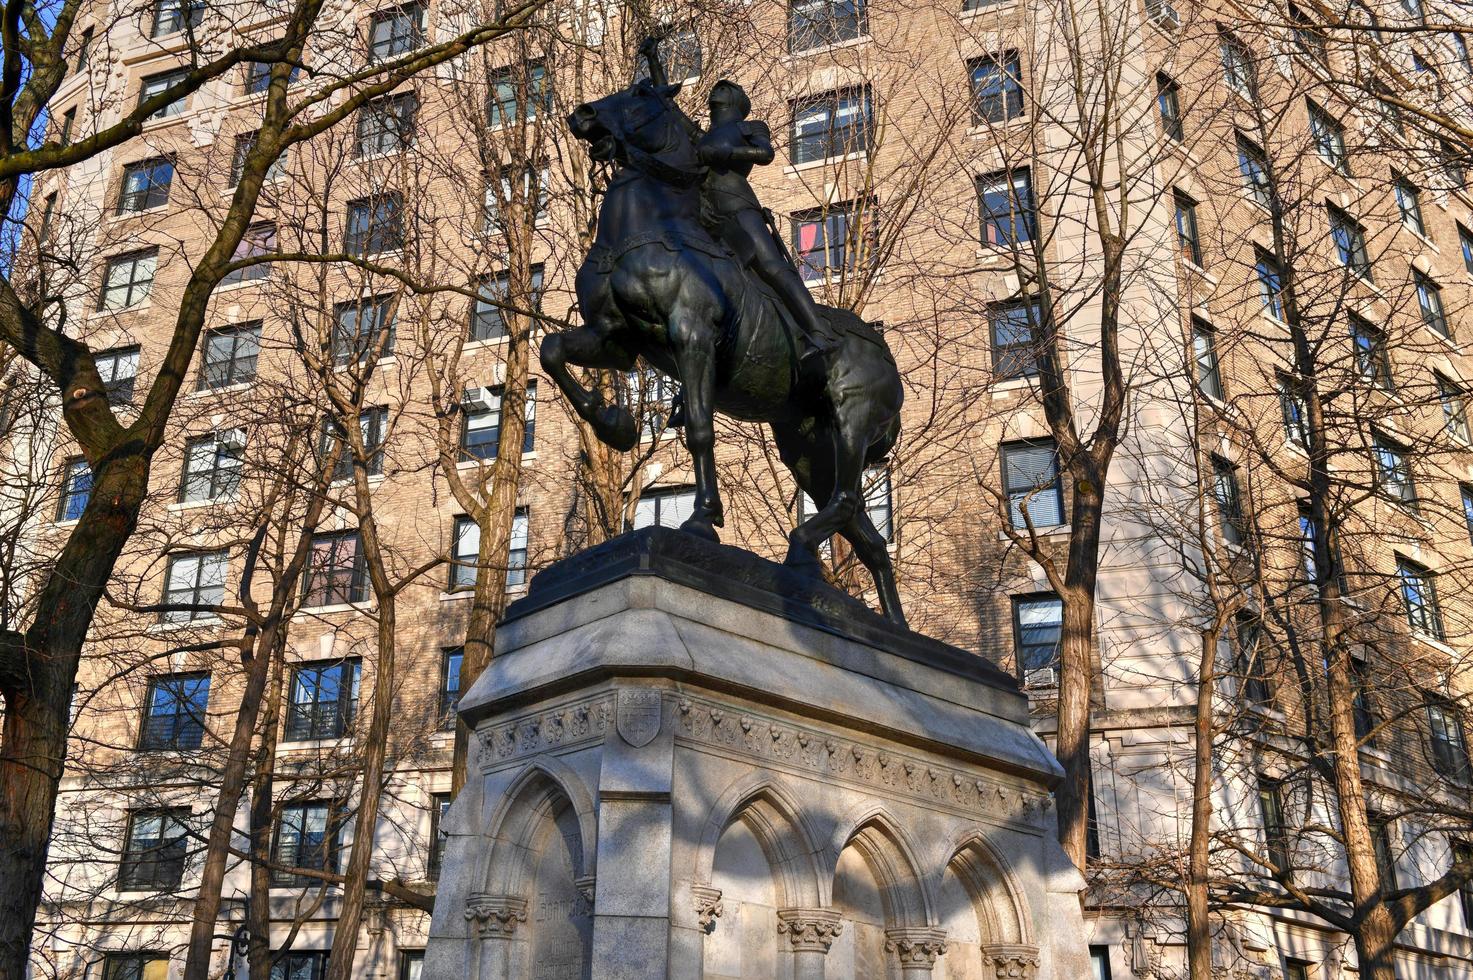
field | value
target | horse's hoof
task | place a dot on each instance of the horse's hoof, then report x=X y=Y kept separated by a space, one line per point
x=617 y=428
x=701 y=528
x=803 y=561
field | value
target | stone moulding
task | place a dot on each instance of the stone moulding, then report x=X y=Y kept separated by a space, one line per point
x=809 y=930
x=495 y=916
x=820 y=752
x=546 y=729
x=916 y=946
x=1012 y=961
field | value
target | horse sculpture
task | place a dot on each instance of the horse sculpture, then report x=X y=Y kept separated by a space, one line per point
x=657 y=285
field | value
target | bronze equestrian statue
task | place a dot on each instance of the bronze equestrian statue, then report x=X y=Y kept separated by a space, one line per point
x=698 y=306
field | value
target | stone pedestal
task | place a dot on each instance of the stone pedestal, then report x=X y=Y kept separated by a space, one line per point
x=690 y=762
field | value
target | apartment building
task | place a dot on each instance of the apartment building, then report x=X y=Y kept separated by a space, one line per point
x=931 y=158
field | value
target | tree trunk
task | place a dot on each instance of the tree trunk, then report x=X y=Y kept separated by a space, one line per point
x=30 y=769
x=1375 y=943
x=1199 y=920
x=258 y=918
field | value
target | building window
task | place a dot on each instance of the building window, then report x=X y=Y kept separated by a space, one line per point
x=258 y=76
x=1429 y=300
x=1009 y=215
x=1238 y=70
x=309 y=965
x=1014 y=327
x=1309 y=36
x=395 y=31
x=48 y=214
x=1465 y=491
x=997 y=87
x=878 y=504
x=1204 y=352
x=1393 y=471
x=1449 y=747
x=1253 y=165
x=1329 y=139
x=1187 y=237
x=1360 y=702
x=1419 y=595
x=1295 y=411
x=1307 y=543
x=1229 y=500
x=155 y=851
x=1463 y=854
x=244 y=144
x=439 y=806
x=362 y=329
x=665 y=507
x=1270 y=284
x=174 y=713
x=385 y=125
x=516 y=550
x=831 y=125
x=679 y=50
x=324 y=700
x=832 y=240
x=487 y=321
x=230 y=355
x=84 y=51
x=308 y=836
x=1465 y=244
x=450 y=661
x=1099 y=962
x=195 y=580
x=817 y=23
x=259 y=240
x=516 y=187
x=1168 y=105
x=118 y=369
x=145 y=185
x=68 y=123
x=135 y=966
x=480 y=436
x=375 y=225
x=173 y=16
x=76 y=488
x=1275 y=831
x=1031 y=483
x=1297 y=970
x=371 y=425
x=1038 y=625
x=1252 y=667
x=464 y=554
x=519 y=92
x=1372 y=359
x=128 y=279
x=1349 y=236
x=1454 y=408
x=212 y=466
x=155 y=85
x=336 y=574
x=1409 y=205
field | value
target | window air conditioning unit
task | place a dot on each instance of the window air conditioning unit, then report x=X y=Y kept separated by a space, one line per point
x=1041 y=677
x=479 y=400
x=231 y=438
x=1163 y=15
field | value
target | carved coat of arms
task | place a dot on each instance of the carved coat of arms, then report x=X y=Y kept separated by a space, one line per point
x=638 y=716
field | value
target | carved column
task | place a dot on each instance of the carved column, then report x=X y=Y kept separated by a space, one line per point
x=811 y=932
x=496 y=918
x=916 y=949
x=1012 y=961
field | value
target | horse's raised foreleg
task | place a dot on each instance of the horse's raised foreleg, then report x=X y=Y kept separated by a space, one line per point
x=693 y=339
x=590 y=348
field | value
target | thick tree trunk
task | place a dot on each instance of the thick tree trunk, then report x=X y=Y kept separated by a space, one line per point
x=1375 y=943
x=1199 y=920
x=263 y=789
x=30 y=769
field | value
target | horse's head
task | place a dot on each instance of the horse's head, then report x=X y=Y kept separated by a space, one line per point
x=641 y=118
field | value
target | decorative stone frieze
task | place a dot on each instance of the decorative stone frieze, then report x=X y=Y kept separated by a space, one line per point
x=809 y=930
x=566 y=725
x=495 y=916
x=707 y=902
x=817 y=751
x=915 y=947
x=1012 y=961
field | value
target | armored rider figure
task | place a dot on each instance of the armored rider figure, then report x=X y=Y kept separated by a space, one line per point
x=730 y=149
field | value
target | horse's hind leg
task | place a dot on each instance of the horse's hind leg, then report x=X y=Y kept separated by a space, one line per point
x=587 y=347
x=693 y=338
x=869 y=544
x=848 y=448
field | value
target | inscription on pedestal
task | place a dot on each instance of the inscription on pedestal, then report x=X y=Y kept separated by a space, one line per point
x=559 y=918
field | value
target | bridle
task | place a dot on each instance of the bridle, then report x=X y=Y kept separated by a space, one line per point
x=649 y=163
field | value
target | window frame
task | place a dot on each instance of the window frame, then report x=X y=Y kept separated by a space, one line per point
x=161 y=82
x=450 y=697
x=1227 y=495
x=73 y=470
x=1015 y=359
x=1021 y=648
x=1449 y=753
x=660 y=498
x=348 y=348
x=395 y=42
x=1392 y=467
x=173 y=16
x=1409 y=204
x=220 y=474
x=1375 y=355
x=1429 y=303
x=136 y=289
x=1349 y=237
x=166 y=855
x=187 y=723
x=1418 y=587
x=308 y=720
x=1271 y=814
x=241 y=335
x=1018 y=224
x=1015 y=497
x=1188 y=235
x=1204 y=346
x=486 y=320
x=1328 y=135
x=493 y=415
x=154 y=193
x=834 y=141
x=1168 y=107
x=198 y=591
x=843 y=252
x=826 y=31
x=331 y=857
x=385 y=126
x=1253 y=167
x=996 y=84
x=313 y=586
x=1454 y=401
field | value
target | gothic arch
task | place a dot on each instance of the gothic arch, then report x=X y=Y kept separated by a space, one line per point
x=989 y=880
x=877 y=836
x=771 y=813
x=525 y=815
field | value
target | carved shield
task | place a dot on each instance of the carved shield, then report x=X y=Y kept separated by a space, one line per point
x=638 y=716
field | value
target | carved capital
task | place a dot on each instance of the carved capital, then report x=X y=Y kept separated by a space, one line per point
x=809 y=930
x=916 y=947
x=707 y=902
x=496 y=916
x=1012 y=961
